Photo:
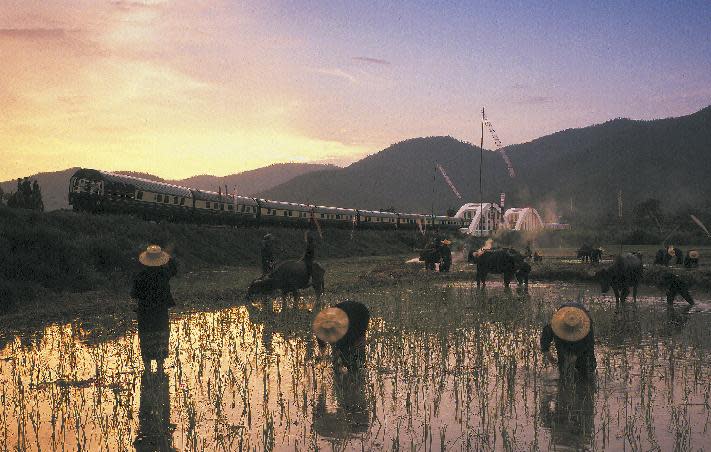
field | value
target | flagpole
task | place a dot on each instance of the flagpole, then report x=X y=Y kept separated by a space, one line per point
x=481 y=189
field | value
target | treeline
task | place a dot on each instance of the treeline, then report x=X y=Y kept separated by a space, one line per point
x=27 y=196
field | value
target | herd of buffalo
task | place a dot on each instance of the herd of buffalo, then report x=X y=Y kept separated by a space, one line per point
x=623 y=275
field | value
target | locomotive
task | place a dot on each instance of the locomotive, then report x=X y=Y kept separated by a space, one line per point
x=98 y=191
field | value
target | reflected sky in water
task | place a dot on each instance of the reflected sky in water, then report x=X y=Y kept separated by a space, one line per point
x=446 y=366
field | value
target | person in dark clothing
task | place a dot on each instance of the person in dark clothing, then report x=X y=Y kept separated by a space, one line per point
x=572 y=331
x=155 y=432
x=673 y=285
x=343 y=326
x=527 y=253
x=537 y=257
x=267 y=254
x=310 y=253
x=446 y=253
x=692 y=259
x=151 y=289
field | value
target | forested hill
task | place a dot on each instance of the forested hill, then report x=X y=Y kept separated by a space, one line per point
x=403 y=176
x=665 y=159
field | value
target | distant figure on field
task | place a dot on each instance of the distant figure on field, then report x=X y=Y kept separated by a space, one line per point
x=267 y=254
x=571 y=329
x=662 y=257
x=677 y=254
x=446 y=254
x=343 y=326
x=692 y=259
x=595 y=255
x=537 y=257
x=310 y=238
x=673 y=285
x=527 y=253
x=151 y=289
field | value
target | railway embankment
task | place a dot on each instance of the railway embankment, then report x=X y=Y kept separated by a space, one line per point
x=67 y=251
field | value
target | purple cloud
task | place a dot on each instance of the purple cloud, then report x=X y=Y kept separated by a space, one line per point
x=372 y=60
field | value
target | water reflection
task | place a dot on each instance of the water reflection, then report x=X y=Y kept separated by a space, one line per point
x=446 y=368
x=568 y=412
x=155 y=432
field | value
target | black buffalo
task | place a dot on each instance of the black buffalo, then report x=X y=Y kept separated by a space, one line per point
x=506 y=261
x=587 y=253
x=289 y=277
x=625 y=272
x=430 y=256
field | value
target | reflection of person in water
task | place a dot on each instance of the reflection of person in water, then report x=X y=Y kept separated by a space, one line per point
x=152 y=290
x=572 y=330
x=155 y=432
x=569 y=414
x=351 y=413
x=344 y=327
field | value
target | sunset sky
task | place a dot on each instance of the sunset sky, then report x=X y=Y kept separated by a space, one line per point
x=184 y=87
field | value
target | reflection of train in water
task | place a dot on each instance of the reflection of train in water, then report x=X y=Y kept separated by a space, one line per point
x=100 y=191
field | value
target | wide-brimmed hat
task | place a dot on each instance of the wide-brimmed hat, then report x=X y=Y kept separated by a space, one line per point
x=154 y=256
x=446 y=242
x=570 y=323
x=330 y=325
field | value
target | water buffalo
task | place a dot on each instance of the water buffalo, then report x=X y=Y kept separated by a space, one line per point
x=506 y=261
x=430 y=256
x=289 y=277
x=625 y=272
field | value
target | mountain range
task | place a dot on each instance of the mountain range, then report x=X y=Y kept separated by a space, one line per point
x=576 y=173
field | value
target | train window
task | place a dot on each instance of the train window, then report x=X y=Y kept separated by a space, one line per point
x=286 y=213
x=175 y=200
x=230 y=207
x=159 y=198
x=207 y=204
x=182 y=201
x=139 y=195
x=222 y=206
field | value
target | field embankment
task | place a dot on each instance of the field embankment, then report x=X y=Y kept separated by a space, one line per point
x=67 y=251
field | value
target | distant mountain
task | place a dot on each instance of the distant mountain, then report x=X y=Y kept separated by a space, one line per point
x=55 y=185
x=403 y=176
x=251 y=182
x=665 y=159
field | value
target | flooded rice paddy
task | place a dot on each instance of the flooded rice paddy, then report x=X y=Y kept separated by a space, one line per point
x=448 y=367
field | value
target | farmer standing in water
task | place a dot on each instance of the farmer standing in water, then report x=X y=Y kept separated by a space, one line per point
x=152 y=290
x=310 y=253
x=571 y=329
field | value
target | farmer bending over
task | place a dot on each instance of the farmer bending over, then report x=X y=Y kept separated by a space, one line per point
x=571 y=329
x=343 y=326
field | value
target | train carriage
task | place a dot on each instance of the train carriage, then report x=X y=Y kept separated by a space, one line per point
x=218 y=208
x=101 y=191
x=287 y=213
x=375 y=219
x=336 y=216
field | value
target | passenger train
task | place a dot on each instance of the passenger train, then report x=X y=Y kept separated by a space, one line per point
x=100 y=191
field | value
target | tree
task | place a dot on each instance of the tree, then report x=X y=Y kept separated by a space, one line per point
x=649 y=213
x=27 y=196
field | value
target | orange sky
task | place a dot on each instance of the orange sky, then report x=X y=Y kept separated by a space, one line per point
x=184 y=87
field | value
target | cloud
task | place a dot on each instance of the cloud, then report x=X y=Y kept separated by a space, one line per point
x=337 y=73
x=127 y=5
x=35 y=33
x=534 y=100
x=372 y=60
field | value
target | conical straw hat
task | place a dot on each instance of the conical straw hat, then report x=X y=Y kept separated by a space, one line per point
x=330 y=325
x=154 y=256
x=694 y=254
x=570 y=323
